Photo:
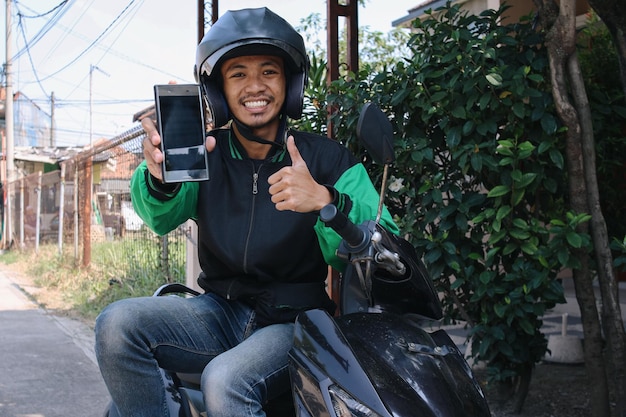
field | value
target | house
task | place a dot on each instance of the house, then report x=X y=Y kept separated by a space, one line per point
x=518 y=8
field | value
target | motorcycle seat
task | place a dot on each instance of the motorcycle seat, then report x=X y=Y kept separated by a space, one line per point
x=190 y=379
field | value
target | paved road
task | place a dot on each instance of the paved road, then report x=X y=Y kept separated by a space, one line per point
x=47 y=365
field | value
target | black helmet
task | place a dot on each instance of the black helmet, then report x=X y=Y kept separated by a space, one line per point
x=251 y=32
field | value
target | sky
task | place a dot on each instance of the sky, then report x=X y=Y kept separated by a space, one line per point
x=110 y=53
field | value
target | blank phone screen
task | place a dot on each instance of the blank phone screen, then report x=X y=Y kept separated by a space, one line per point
x=182 y=136
x=181 y=121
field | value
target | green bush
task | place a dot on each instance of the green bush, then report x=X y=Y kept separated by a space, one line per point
x=479 y=180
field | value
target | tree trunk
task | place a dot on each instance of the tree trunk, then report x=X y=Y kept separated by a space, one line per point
x=560 y=41
x=523 y=385
x=611 y=314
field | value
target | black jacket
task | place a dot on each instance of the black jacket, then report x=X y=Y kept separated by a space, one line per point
x=248 y=250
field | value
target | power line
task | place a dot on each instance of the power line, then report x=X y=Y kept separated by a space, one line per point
x=106 y=48
x=92 y=44
x=81 y=102
x=44 y=13
x=30 y=58
x=60 y=11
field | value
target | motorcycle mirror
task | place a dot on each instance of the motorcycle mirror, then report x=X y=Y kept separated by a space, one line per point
x=375 y=132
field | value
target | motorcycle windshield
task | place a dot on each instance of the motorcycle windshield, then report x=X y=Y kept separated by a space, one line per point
x=412 y=293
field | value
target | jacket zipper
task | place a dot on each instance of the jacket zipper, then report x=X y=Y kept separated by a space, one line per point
x=255 y=191
x=255 y=188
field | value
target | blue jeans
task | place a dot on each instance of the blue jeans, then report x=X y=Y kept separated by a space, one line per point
x=242 y=367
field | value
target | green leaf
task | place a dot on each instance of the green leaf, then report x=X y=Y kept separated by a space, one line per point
x=453 y=137
x=497 y=332
x=544 y=146
x=520 y=223
x=468 y=127
x=459 y=112
x=528 y=248
x=574 y=239
x=499 y=191
x=548 y=123
x=526 y=180
x=486 y=127
x=503 y=211
x=485 y=278
x=517 y=196
x=519 y=234
x=557 y=158
x=484 y=100
x=494 y=79
x=510 y=248
x=496 y=237
x=500 y=311
x=476 y=161
x=527 y=327
x=438 y=96
x=505 y=147
x=518 y=109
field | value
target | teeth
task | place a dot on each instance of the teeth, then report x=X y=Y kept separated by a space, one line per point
x=259 y=103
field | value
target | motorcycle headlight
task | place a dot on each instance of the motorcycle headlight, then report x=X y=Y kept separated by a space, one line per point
x=345 y=405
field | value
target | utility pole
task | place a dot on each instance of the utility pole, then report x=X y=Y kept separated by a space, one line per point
x=88 y=185
x=89 y=176
x=52 y=124
x=8 y=109
x=8 y=118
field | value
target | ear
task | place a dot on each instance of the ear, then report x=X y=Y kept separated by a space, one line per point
x=215 y=102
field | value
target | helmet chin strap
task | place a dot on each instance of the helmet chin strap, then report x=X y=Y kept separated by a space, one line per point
x=246 y=132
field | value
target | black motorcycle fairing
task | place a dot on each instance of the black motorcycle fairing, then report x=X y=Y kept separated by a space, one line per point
x=321 y=356
x=386 y=363
x=416 y=373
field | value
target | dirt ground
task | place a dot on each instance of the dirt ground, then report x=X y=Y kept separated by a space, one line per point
x=556 y=390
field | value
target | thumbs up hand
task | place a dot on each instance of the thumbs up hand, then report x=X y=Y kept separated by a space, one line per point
x=293 y=187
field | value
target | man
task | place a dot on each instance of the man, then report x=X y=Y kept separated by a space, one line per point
x=262 y=249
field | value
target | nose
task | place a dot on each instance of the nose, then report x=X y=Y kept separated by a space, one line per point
x=255 y=83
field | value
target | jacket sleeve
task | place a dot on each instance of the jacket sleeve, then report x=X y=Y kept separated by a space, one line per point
x=357 y=198
x=163 y=209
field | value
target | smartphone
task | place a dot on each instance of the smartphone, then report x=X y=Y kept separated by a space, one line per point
x=180 y=119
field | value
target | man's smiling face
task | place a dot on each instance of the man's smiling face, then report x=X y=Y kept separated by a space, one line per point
x=255 y=88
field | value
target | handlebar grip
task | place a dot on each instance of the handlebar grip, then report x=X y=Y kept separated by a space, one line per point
x=354 y=236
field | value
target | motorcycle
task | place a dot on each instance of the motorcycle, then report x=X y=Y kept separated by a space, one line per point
x=374 y=359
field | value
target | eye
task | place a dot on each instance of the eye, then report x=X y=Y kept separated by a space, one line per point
x=236 y=75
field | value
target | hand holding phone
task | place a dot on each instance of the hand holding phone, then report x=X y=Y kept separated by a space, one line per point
x=152 y=147
x=180 y=120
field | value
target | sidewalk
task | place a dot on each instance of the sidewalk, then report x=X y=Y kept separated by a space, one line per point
x=47 y=364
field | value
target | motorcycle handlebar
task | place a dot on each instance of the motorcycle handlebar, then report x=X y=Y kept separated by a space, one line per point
x=354 y=236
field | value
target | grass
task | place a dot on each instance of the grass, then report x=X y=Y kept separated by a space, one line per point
x=118 y=269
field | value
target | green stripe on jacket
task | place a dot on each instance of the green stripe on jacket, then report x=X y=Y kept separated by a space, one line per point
x=355 y=182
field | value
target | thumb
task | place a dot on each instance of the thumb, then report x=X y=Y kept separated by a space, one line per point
x=209 y=143
x=294 y=153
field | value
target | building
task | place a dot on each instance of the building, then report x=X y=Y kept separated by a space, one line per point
x=518 y=8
